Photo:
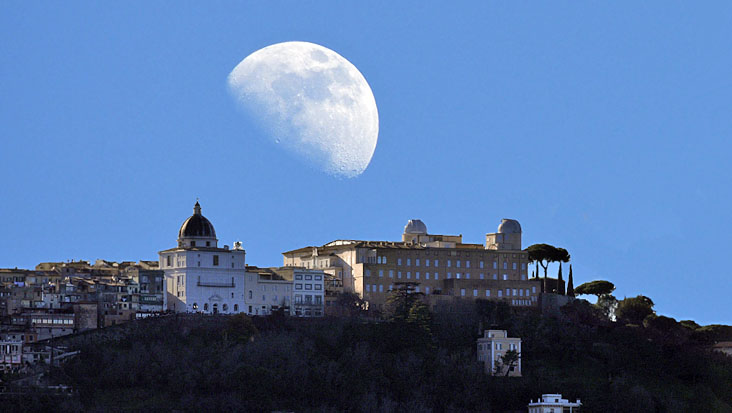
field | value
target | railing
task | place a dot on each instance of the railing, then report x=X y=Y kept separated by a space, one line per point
x=217 y=285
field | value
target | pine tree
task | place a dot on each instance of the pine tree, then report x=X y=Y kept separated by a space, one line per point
x=570 y=283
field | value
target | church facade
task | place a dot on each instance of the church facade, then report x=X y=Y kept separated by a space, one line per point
x=200 y=276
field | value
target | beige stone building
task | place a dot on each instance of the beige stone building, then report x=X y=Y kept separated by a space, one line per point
x=493 y=346
x=443 y=266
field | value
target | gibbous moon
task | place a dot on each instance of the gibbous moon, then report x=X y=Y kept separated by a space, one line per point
x=313 y=102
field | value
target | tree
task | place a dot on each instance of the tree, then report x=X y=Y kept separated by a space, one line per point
x=507 y=361
x=570 y=283
x=634 y=310
x=560 y=281
x=401 y=300
x=597 y=287
x=543 y=254
x=351 y=304
x=602 y=289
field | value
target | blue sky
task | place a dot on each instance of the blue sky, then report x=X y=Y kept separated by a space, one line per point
x=603 y=127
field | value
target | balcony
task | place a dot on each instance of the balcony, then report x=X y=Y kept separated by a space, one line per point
x=215 y=284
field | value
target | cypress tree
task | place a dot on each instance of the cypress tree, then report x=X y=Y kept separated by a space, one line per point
x=570 y=283
x=560 y=283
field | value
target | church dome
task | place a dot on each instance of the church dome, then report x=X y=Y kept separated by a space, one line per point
x=197 y=226
x=415 y=226
x=509 y=226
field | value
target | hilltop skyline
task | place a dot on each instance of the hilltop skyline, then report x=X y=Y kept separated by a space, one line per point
x=602 y=128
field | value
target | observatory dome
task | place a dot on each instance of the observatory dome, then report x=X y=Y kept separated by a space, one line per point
x=415 y=226
x=509 y=226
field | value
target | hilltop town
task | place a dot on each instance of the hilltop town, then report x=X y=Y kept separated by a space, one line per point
x=452 y=308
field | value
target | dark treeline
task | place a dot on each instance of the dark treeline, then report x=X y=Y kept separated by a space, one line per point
x=203 y=363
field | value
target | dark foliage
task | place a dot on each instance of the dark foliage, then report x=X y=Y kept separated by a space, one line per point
x=349 y=364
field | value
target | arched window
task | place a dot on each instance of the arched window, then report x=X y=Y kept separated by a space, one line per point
x=236 y=307
x=205 y=307
x=226 y=307
x=195 y=306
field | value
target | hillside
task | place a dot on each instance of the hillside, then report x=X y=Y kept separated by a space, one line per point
x=278 y=363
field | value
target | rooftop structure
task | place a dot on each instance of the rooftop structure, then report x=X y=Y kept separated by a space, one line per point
x=554 y=403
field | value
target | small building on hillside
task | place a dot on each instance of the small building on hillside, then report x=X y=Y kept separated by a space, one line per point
x=724 y=347
x=492 y=350
x=554 y=403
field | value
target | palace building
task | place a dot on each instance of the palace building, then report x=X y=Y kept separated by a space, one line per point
x=442 y=267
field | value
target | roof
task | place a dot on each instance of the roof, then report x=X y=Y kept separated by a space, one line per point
x=339 y=245
x=197 y=225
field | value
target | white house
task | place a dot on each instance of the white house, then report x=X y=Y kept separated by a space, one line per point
x=554 y=403
x=296 y=290
x=493 y=346
x=200 y=276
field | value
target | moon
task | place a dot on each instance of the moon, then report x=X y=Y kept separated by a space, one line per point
x=313 y=102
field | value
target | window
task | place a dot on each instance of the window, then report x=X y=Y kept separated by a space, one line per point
x=416 y=289
x=318 y=287
x=416 y=275
x=416 y=262
x=368 y=288
x=399 y=261
x=437 y=262
x=308 y=286
x=514 y=292
x=462 y=292
x=308 y=277
x=426 y=290
x=457 y=264
x=514 y=265
x=467 y=275
x=482 y=276
x=508 y=292
x=298 y=277
x=193 y=243
x=318 y=278
x=391 y=273
x=481 y=264
x=475 y=293
x=505 y=277
x=487 y=293
x=505 y=265
x=457 y=275
x=426 y=276
x=495 y=265
x=500 y=293
x=437 y=276
x=381 y=273
x=205 y=307
x=521 y=293
x=170 y=260
x=533 y=289
x=383 y=259
x=399 y=274
x=449 y=263
x=381 y=288
x=208 y=243
x=368 y=273
x=449 y=275
x=409 y=275
x=250 y=296
x=226 y=307
x=427 y=262
x=409 y=261
x=236 y=307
